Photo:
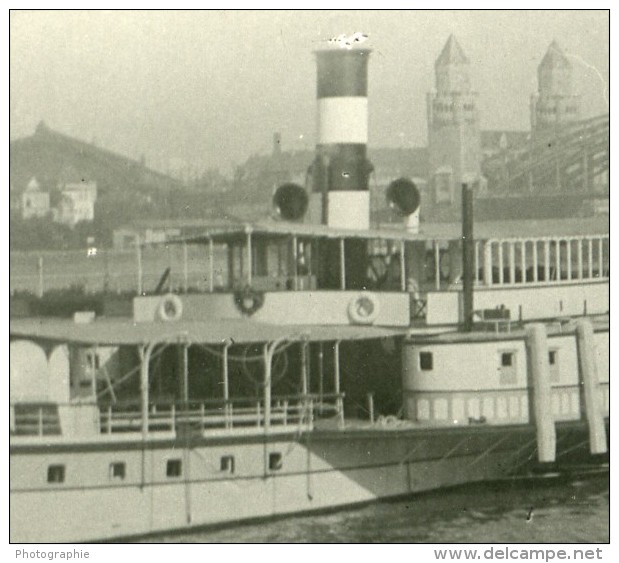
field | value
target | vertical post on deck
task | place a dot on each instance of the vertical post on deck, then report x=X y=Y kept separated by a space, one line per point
x=523 y=261
x=402 y=266
x=170 y=264
x=249 y=258
x=590 y=257
x=500 y=260
x=304 y=386
x=488 y=263
x=535 y=258
x=185 y=268
x=138 y=250
x=437 y=266
x=512 y=262
x=211 y=266
x=546 y=260
x=268 y=349
x=40 y=276
x=371 y=407
x=321 y=374
x=468 y=258
x=336 y=382
x=183 y=364
x=568 y=258
x=336 y=366
x=295 y=264
x=224 y=362
x=144 y=352
x=580 y=276
x=342 y=265
x=558 y=259
x=600 y=258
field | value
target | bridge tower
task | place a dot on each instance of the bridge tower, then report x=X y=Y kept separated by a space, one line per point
x=554 y=104
x=453 y=126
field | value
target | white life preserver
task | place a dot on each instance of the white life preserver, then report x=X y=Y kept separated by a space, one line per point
x=170 y=308
x=363 y=309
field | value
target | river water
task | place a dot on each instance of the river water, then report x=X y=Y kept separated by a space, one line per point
x=565 y=509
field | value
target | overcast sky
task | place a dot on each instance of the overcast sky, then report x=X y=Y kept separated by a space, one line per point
x=212 y=87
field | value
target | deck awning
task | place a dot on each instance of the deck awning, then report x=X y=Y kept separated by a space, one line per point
x=123 y=331
x=275 y=230
x=429 y=232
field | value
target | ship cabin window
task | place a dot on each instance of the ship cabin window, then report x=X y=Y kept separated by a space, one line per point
x=426 y=361
x=275 y=461
x=508 y=374
x=507 y=359
x=55 y=474
x=553 y=361
x=117 y=471
x=226 y=464
x=174 y=468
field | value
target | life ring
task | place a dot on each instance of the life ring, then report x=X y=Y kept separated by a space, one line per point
x=248 y=301
x=364 y=308
x=170 y=308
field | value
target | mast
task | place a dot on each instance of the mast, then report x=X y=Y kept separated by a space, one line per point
x=468 y=256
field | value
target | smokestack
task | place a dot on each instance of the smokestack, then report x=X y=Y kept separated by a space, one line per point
x=468 y=255
x=341 y=168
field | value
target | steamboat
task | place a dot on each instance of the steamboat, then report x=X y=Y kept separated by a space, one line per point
x=324 y=363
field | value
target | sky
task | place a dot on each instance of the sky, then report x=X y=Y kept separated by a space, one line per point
x=210 y=88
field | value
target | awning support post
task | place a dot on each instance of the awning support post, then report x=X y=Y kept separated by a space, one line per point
x=185 y=269
x=249 y=259
x=211 y=266
x=138 y=252
x=342 y=265
x=402 y=266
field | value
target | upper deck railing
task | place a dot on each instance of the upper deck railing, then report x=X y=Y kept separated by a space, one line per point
x=291 y=412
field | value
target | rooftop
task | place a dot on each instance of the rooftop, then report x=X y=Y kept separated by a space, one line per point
x=124 y=331
x=452 y=53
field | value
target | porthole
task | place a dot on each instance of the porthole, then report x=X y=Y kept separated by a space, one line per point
x=174 y=468
x=275 y=461
x=226 y=464
x=117 y=471
x=55 y=474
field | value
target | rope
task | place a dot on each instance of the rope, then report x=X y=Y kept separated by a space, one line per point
x=244 y=357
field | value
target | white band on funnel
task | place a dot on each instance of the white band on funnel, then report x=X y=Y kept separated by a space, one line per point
x=343 y=120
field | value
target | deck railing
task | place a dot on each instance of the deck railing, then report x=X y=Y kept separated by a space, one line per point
x=286 y=411
x=34 y=419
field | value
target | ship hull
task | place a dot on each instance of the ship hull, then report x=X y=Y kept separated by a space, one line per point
x=270 y=476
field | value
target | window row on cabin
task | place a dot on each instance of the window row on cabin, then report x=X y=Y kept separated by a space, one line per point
x=507 y=364
x=174 y=468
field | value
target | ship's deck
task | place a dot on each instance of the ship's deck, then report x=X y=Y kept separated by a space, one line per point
x=124 y=331
x=504 y=330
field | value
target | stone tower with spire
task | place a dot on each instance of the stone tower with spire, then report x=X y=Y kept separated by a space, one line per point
x=554 y=104
x=454 y=144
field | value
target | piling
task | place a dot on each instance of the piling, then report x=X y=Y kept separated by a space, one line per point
x=539 y=373
x=589 y=385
